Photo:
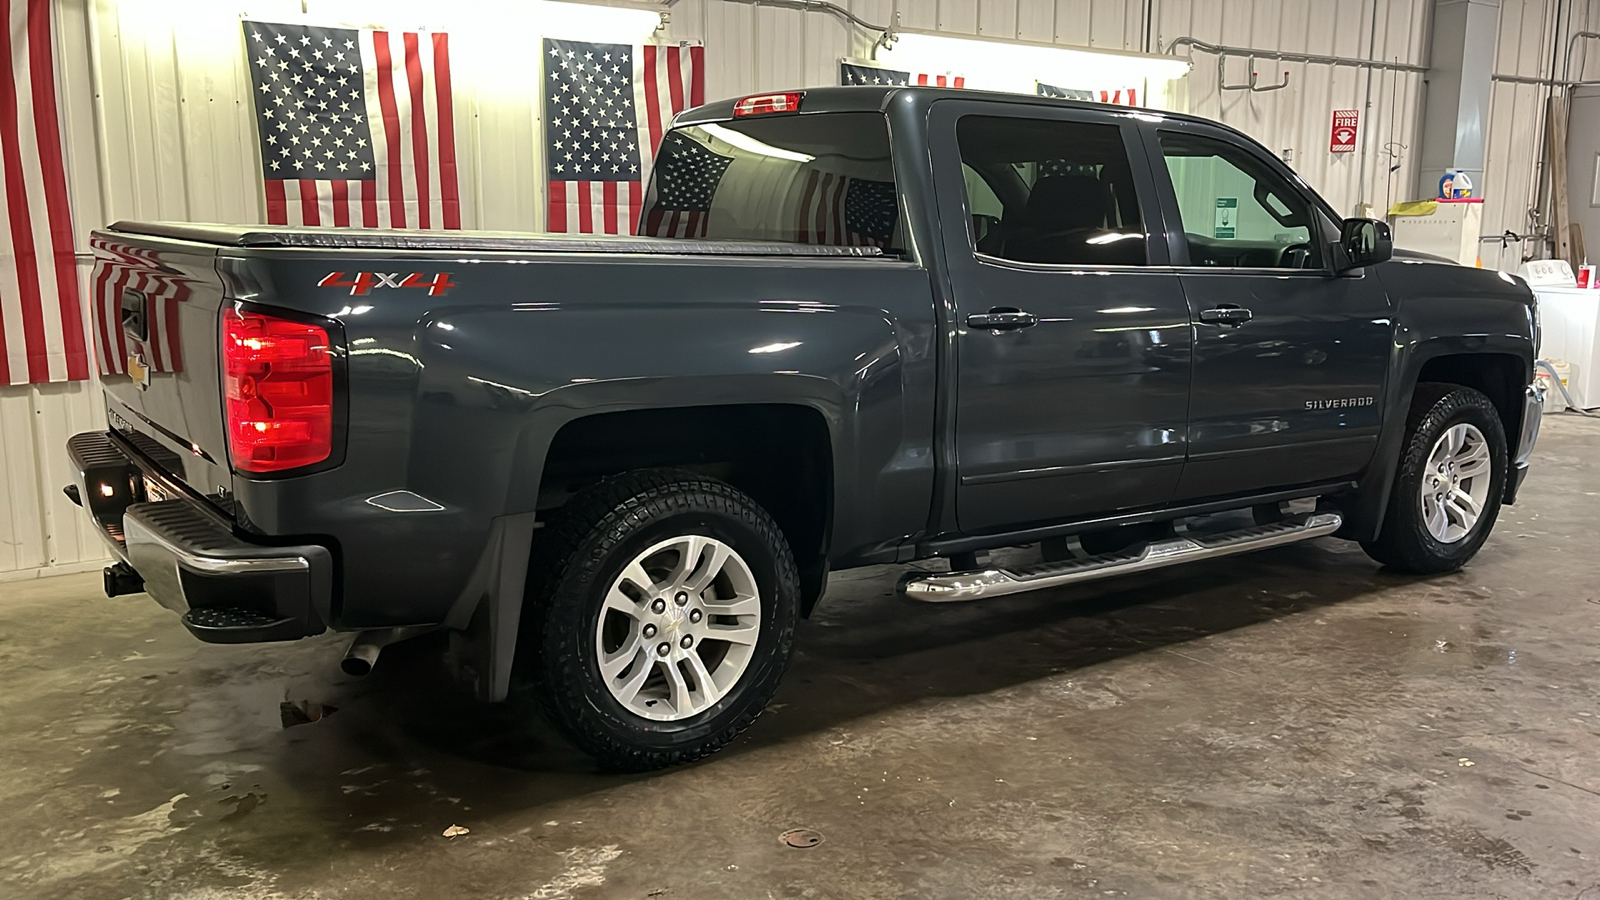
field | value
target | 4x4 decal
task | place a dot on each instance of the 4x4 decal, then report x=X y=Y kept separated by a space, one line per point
x=363 y=283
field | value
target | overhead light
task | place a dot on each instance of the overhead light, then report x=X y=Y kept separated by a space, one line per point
x=506 y=33
x=775 y=348
x=573 y=21
x=750 y=145
x=1113 y=237
x=1017 y=65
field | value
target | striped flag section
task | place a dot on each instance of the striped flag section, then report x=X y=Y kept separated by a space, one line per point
x=857 y=74
x=842 y=211
x=687 y=174
x=606 y=109
x=1119 y=97
x=356 y=126
x=41 y=323
x=119 y=268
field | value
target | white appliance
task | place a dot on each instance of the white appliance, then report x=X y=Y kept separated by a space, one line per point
x=1570 y=320
x=1447 y=228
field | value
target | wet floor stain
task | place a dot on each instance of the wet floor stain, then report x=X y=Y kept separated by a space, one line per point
x=1297 y=721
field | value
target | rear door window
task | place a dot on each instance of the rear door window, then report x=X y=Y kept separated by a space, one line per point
x=1051 y=191
x=811 y=179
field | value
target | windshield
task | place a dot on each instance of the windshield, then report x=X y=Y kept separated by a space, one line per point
x=808 y=179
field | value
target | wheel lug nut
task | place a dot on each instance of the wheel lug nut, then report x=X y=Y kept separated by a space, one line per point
x=664 y=648
x=649 y=631
x=686 y=642
x=682 y=599
x=696 y=615
x=660 y=606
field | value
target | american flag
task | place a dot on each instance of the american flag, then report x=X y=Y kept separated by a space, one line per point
x=318 y=92
x=1117 y=97
x=687 y=174
x=606 y=108
x=41 y=315
x=121 y=268
x=854 y=73
x=839 y=210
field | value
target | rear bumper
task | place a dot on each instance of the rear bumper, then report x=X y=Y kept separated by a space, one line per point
x=228 y=590
x=1532 y=417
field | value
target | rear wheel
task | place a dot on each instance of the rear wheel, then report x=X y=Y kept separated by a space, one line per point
x=661 y=616
x=1450 y=481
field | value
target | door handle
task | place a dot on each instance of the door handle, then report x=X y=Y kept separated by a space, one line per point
x=1226 y=314
x=1002 y=318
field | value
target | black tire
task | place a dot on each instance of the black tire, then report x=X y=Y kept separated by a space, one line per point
x=1405 y=543
x=577 y=558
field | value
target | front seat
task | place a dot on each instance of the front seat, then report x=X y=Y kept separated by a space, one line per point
x=1065 y=223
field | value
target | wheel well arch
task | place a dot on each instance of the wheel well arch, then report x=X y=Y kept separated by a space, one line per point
x=1498 y=376
x=780 y=454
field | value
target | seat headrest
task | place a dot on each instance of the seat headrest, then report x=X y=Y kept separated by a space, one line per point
x=1062 y=202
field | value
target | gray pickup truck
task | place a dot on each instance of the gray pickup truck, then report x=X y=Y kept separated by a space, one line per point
x=863 y=326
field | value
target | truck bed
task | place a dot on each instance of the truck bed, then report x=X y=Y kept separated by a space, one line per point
x=453 y=241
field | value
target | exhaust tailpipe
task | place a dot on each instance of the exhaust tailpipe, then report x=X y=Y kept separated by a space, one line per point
x=363 y=653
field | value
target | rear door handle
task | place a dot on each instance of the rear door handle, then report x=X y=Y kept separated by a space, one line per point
x=1002 y=318
x=1226 y=314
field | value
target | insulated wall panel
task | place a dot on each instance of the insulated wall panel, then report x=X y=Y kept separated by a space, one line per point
x=1298 y=117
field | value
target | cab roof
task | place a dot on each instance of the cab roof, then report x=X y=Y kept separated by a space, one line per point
x=877 y=98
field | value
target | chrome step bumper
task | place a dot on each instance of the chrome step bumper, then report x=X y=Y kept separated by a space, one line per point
x=950 y=587
x=228 y=589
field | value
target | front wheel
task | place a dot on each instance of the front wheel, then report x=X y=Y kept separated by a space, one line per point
x=1450 y=481
x=661 y=616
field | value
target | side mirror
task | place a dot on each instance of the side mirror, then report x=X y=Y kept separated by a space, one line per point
x=1364 y=242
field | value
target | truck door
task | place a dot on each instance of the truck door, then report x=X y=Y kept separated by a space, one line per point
x=1072 y=336
x=1289 y=357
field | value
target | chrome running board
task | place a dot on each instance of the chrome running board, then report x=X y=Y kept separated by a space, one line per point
x=950 y=587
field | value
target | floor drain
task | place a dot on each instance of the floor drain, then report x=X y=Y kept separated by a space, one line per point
x=801 y=838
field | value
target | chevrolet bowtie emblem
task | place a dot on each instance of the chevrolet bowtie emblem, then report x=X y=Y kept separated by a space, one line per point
x=138 y=371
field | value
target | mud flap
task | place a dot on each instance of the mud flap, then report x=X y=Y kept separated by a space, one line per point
x=484 y=620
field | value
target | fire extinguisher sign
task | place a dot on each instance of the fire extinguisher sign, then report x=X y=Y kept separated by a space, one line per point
x=1343 y=135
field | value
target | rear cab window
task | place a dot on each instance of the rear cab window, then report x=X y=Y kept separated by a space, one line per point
x=824 y=178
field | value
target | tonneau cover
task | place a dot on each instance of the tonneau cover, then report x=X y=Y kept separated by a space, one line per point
x=394 y=239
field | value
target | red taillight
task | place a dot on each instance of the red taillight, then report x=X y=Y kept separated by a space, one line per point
x=277 y=381
x=766 y=104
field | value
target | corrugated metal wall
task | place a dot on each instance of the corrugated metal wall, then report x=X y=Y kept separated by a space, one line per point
x=1533 y=44
x=165 y=131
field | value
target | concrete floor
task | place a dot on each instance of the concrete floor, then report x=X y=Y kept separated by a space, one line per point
x=1294 y=722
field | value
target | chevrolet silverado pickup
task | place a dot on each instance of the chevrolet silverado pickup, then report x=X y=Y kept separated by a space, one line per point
x=859 y=326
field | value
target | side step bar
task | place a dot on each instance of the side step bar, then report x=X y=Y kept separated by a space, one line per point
x=950 y=587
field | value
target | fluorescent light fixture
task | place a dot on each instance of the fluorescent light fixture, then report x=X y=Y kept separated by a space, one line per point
x=571 y=21
x=1015 y=65
x=1113 y=237
x=775 y=348
x=750 y=145
x=513 y=21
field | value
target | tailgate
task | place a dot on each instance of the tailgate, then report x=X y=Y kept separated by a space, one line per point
x=156 y=305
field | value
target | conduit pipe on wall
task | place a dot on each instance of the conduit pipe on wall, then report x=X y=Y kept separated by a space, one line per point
x=1224 y=50
x=885 y=32
x=1572 y=44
